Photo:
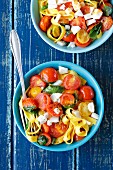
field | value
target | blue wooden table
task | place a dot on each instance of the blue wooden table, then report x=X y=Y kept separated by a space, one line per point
x=16 y=152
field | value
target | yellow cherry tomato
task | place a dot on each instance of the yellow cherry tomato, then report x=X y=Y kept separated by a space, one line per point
x=34 y=91
x=82 y=36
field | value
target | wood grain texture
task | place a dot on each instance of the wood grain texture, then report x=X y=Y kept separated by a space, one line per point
x=5 y=85
x=34 y=52
x=97 y=154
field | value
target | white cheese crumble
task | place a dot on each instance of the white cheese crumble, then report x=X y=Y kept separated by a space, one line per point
x=88 y=16
x=61 y=43
x=91 y=107
x=54 y=119
x=56 y=110
x=62 y=7
x=76 y=113
x=79 y=13
x=90 y=22
x=49 y=123
x=75 y=29
x=71 y=44
x=97 y=13
x=91 y=10
x=67 y=27
x=95 y=116
x=57 y=83
x=42 y=119
x=55 y=96
x=63 y=70
x=46 y=114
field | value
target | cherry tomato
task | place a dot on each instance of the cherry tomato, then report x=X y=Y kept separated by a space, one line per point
x=79 y=21
x=51 y=109
x=36 y=81
x=80 y=44
x=67 y=5
x=107 y=23
x=58 y=129
x=69 y=38
x=49 y=75
x=45 y=128
x=82 y=36
x=87 y=92
x=71 y=82
x=29 y=103
x=43 y=100
x=45 y=23
x=78 y=138
x=67 y=99
x=69 y=91
x=48 y=138
x=85 y=9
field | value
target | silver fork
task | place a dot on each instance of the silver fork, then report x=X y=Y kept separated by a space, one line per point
x=16 y=50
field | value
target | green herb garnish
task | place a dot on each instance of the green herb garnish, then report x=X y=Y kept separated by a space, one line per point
x=95 y=31
x=54 y=89
x=42 y=140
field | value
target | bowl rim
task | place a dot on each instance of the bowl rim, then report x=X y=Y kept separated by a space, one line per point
x=67 y=50
x=73 y=145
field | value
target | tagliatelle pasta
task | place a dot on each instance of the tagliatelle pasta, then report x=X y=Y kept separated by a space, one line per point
x=58 y=107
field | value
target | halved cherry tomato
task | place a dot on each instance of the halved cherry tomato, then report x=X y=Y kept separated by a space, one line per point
x=51 y=109
x=43 y=100
x=87 y=92
x=58 y=129
x=69 y=91
x=82 y=36
x=77 y=138
x=45 y=128
x=45 y=23
x=36 y=81
x=69 y=38
x=71 y=82
x=49 y=75
x=47 y=137
x=85 y=9
x=79 y=21
x=67 y=99
x=80 y=44
x=67 y=5
x=29 y=103
x=107 y=23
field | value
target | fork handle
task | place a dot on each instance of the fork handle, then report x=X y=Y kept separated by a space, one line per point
x=16 y=50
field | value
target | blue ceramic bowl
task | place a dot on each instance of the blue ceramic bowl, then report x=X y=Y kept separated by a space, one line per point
x=36 y=18
x=90 y=80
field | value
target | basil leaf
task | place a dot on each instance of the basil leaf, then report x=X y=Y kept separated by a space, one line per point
x=44 y=7
x=29 y=108
x=53 y=89
x=95 y=31
x=42 y=140
x=107 y=10
x=53 y=140
x=69 y=106
x=68 y=32
x=27 y=124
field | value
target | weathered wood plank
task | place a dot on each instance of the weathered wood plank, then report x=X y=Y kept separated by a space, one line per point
x=97 y=154
x=5 y=85
x=34 y=52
